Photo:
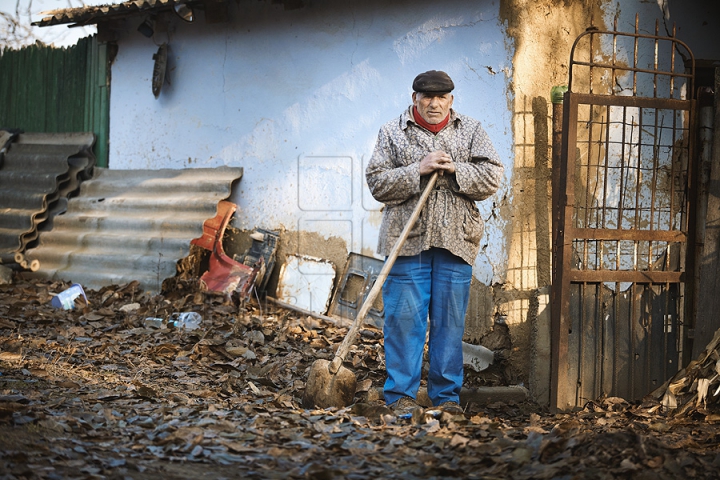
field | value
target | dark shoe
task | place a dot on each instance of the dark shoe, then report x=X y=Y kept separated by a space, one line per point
x=404 y=406
x=453 y=408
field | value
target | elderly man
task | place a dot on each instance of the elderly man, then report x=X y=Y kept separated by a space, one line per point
x=431 y=276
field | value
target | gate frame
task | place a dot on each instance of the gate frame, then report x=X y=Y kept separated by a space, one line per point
x=562 y=393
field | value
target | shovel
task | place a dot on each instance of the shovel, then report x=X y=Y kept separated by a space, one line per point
x=330 y=384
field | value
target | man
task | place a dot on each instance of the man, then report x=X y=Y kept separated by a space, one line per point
x=431 y=276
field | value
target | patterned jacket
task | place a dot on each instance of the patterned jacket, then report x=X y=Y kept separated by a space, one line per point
x=450 y=219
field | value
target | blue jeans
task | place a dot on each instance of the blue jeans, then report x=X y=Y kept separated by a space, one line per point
x=434 y=283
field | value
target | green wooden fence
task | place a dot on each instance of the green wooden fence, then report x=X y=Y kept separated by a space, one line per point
x=47 y=89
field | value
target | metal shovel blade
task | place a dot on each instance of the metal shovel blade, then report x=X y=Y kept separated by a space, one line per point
x=324 y=389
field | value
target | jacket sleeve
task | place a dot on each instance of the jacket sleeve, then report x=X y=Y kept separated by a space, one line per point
x=482 y=175
x=391 y=182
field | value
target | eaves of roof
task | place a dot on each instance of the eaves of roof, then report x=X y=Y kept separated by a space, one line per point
x=95 y=14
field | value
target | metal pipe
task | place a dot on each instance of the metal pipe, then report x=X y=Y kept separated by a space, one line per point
x=557 y=94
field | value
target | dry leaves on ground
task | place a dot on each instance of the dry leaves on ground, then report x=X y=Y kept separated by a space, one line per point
x=103 y=393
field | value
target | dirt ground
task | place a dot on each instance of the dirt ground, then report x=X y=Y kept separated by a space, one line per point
x=99 y=392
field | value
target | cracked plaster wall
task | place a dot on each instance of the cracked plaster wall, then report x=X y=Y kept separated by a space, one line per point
x=536 y=30
x=297 y=98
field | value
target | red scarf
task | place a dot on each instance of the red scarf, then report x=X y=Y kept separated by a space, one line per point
x=429 y=126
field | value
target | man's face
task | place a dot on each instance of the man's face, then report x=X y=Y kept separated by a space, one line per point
x=433 y=107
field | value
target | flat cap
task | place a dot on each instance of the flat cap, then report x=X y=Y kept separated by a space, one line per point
x=433 y=81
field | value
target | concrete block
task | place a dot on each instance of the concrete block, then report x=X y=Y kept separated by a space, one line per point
x=541 y=352
x=5 y=275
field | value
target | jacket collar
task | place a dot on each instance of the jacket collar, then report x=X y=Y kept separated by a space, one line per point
x=407 y=117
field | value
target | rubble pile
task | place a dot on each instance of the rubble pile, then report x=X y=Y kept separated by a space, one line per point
x=694 y=389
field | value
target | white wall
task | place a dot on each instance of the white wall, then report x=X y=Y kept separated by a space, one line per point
x=297 y=98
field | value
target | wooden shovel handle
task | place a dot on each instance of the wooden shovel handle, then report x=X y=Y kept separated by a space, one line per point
x=344 y=348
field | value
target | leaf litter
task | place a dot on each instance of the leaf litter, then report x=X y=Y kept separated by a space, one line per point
x=100 y=392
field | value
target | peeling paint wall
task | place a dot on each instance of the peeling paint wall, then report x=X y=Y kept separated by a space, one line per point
x=538 y=30
x=297 y=97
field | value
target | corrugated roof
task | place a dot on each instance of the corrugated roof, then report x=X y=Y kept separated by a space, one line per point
x=95 y=14
x=130 y=225
x=37 y=174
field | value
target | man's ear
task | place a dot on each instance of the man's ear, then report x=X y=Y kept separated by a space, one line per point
x=414 y=96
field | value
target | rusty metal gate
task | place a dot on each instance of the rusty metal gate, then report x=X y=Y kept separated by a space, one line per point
x=622 y=206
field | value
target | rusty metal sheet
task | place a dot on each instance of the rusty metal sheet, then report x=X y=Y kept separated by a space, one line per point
x=605 y=325
x=356 y=282
x=709 y=253
x=224 y=274
x=577 y=276
x=615 y=234
x=130 y=225
x=38 y=172
x=621 y=101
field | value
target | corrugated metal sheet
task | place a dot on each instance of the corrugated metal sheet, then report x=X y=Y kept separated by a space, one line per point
x=94 y=14
x=37 y=174
x=131 y=225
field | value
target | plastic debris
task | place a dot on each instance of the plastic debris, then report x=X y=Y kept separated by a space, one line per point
x=477 y=357
x=153 y=322
x=186 y=320
x=67 y=298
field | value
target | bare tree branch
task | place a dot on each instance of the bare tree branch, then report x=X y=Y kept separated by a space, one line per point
x=16 y=31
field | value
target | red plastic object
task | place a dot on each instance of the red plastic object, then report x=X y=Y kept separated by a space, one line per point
x=224 y=274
